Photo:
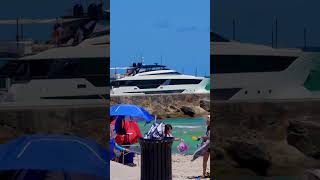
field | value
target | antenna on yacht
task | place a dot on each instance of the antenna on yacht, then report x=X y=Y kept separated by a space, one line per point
x=272 y=35
x=276 y=32
x=305 y=37
x=234 y=29
x=21 y=28
x=160 y=60
x=17 y=32
x=101 y=2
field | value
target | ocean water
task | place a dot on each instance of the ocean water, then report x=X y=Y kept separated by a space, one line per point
x=183 y=128
x=208 y=86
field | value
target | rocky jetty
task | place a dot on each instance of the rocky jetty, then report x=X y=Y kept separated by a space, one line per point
x=265 y=139
x=85 y=122
x=169 y=106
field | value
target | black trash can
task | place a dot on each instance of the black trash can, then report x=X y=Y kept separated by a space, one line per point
x=156 y=159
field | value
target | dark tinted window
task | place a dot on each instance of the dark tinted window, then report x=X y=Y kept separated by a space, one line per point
x=3 y=83
x=217 y=38
x=39 y=69
x=247 y=63
x=142 y=84
x=99 y=34
x=79 y=67
x=184 y=81
x=94 y=70
x=164 y=73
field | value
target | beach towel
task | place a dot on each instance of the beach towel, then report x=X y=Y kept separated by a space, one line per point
x=201 y=150
x=156 y=131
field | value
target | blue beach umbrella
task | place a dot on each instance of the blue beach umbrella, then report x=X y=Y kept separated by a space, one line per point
x=37 y=156
x=136 y=113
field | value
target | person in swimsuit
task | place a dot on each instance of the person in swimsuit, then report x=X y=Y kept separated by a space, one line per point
x=206 y=139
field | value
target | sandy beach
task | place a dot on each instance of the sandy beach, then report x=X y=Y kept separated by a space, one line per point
x=182 y=168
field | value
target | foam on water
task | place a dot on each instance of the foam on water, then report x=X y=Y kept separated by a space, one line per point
x=183 y=128
x=186 y=127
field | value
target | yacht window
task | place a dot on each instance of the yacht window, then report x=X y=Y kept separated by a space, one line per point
x=78 y=68
x=8 y=68
x=99 y=34
x=142 y=84
x=164 y=73
x=217 y=38
x=3 y=83
x=224 y=94
x=17 y=70
x=249 y=63
x=39 y=68
x=184 y=81
x=22 y=73
x=167 y=82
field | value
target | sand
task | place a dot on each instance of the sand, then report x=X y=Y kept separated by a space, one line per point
x=182 y=168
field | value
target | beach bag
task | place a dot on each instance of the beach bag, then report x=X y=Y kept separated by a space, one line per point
x=156 y=131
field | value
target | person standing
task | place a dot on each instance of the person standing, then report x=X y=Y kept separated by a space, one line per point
x=206 y=139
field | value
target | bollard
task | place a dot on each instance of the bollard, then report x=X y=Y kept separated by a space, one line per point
x=156 y=158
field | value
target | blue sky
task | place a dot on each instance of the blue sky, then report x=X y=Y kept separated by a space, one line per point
x=254 y=20
x=177 y=30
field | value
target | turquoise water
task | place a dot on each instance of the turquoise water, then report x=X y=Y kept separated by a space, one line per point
x=183 y=128
x=312 y=82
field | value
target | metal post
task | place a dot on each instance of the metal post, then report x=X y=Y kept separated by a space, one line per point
x=234 y=29
x=17 y=32
x=276 y=33
x=305 y=38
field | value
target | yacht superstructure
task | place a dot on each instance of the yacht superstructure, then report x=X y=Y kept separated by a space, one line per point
x=242 y=71
x=62 y=73
x=157 y=79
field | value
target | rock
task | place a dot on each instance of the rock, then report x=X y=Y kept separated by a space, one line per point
x=223 y=168
x=286 y=158
x=299 y=137
x=218 y=153
x=303 y=144
x=251 y=156
x=205 y=104
x=312 y=174
x=188 y=110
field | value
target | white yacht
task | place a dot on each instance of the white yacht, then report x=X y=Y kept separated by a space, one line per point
x=242 y=71
x=157 y=79
x=63 y=73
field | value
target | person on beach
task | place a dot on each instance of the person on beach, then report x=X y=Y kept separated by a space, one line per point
x=115 y=149
x=206 y=139
x=204 y=149
x=168 y=132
